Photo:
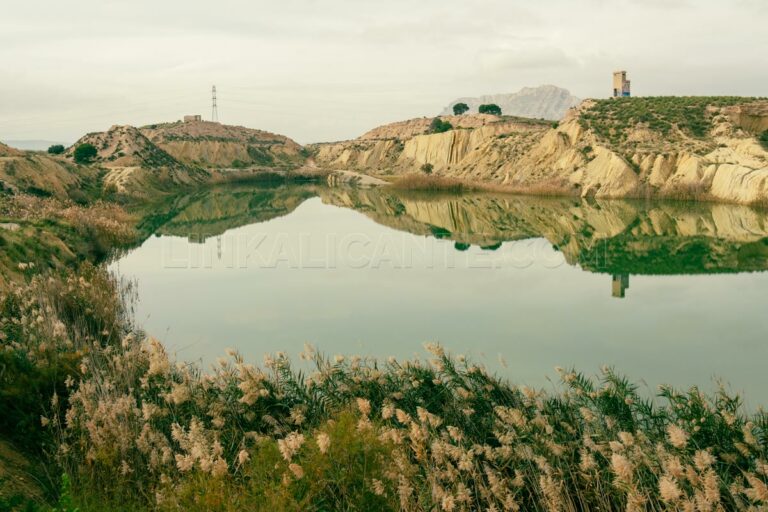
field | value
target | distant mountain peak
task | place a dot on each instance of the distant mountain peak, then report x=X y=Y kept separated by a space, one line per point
x=543 y=102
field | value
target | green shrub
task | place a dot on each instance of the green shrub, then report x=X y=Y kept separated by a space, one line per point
x=65 y=503
x=85 y=153
x=56 y=149
x=427 y=168
x=439 y=126
x=336 y=476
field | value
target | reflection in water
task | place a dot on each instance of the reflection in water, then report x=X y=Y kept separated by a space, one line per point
x=619 y=285
x=615 y=237
x=527 y=278
x=606 y=236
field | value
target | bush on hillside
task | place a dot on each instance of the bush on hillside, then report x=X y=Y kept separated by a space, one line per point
x=764 y=139
x=56 y=149
x=427 y=168
x=439 y=126
x=85 y=153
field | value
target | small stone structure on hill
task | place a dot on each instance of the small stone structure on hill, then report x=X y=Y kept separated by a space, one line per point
x=620 y=84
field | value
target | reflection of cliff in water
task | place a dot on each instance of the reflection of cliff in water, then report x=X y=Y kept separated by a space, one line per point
x=606 y=236
x=211 y=212
x=614 y=237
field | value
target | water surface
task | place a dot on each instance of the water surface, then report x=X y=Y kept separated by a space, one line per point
x=665 y=292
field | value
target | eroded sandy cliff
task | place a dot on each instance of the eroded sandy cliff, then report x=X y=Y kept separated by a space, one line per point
x=664 y=147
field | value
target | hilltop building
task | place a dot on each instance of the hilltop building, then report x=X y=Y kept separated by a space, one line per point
x=620 y=84
x=192 y=119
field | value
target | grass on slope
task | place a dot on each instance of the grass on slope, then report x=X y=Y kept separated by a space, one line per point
x=668 y=116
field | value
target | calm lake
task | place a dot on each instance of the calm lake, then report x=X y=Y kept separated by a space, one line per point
x=665 y=292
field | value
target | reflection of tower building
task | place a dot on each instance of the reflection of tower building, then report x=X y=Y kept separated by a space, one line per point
x=619 y=284
x=620 y=84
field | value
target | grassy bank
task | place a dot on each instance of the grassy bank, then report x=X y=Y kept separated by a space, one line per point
x=432 y=183
x=426 y=183
x=48 y=234
x=54 y=304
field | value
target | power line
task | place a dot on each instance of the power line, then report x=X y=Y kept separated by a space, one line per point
x=214 y=107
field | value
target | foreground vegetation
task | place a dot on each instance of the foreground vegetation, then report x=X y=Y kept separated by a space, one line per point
x=133 y=430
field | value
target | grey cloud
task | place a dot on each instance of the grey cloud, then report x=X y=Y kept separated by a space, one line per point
x=524 y=57
x=329 y=69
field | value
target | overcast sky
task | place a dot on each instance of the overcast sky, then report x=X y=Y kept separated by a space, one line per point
x=320 y=70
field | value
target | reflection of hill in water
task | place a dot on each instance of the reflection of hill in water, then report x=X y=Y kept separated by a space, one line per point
x=615 y=237
x=212 y=212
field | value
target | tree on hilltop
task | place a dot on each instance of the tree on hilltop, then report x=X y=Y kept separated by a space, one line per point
x=460 y=109
x=56 y=149
x=490 y=108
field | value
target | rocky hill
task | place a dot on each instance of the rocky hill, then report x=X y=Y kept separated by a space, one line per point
x=126 y=146
x=218 y=146
x=135 y=165
x=700 y=148
x=543 y=102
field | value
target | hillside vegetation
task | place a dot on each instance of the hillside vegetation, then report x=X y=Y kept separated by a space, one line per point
x=671 y=120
